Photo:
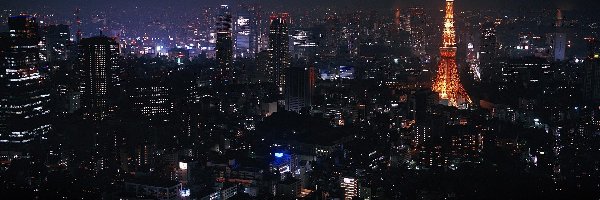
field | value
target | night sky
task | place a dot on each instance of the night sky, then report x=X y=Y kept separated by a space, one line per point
x=376 y=4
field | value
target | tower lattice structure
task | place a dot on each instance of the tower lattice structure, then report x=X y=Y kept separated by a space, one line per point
x=447 y=83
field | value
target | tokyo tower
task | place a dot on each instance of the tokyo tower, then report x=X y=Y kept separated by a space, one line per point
x=447 y=83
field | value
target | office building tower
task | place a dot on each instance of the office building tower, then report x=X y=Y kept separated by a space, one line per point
x=152 y=101
x=528 y=71
x=78 y=22
x=304 y=46
x=224 y=48
x=416 y=28
x=591 y=86
x=246 y=33
x=279 y=58
x=350 y=186
x=24 y=98
x=559 y=45
x=98 y=59
x=473 y=62
x=299 y=88
x=487 y=51
x=397 y=18
x=56 y=39
x=559 y=39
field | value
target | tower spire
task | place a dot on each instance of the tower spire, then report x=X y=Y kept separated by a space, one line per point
x=447 y=82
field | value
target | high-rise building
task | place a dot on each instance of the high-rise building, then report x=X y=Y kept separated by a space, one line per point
x=417 y=31
x=473 y=62
x=559 y=45
x=299 y=88
x=246 y=33
x=98 y=59
x=591 y=84
x=152 y=101
x=447 y=83
x=397 y=17
x=56 y=39
x=350 y=186
x=559 y=39
x=78 y=22
x=304 y=46
x=224 y=48
x=487 y=51
x=279 y=58
x=25 y=100
x=528 y=71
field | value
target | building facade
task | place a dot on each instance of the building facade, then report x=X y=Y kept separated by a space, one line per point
x=25 y=100
x=98 y=60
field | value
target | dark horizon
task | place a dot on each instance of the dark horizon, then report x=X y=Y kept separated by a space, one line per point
x=307 y=4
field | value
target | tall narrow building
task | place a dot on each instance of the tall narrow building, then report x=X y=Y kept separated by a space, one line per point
x=447 y=83
x=246 y=32
x=224 y=48
x=98 y=58
x=473 y=62
x=279 y=58
x=24 y=98
x=591 y=84
x=56 y=39
x=299 y=88
x=417 y=25
x=488 y=51
x=559 y=39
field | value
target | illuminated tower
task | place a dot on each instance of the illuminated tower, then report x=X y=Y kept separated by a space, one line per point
x=473 y=61
x=246 y=29
x=397 y=17
x=224 y=47
x=279 y=59
x=24 y=99
x=98 y=59
x=350 y=186
x=447 y=82
x=559 y=39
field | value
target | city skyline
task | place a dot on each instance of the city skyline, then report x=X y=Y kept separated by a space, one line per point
x=257 y=100
x=381 y=4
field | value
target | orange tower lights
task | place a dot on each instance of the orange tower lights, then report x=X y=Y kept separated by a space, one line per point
x=447 y=82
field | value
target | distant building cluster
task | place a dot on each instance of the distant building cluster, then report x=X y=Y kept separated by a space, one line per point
x=251 y=101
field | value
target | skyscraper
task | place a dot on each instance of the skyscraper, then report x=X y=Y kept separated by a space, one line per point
x=397 y=18
x=299 y=88
x=152 y=100
x=56 y=39
x=246 y=33
x=279 y=58
x=98 y=60
x=350 y=186
x=224 y=48
x=487 y=51
x=417 y=32
x=447 y=82
x=591 y=84
x=559 y=39
x=24 y=99
x=473 y=62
